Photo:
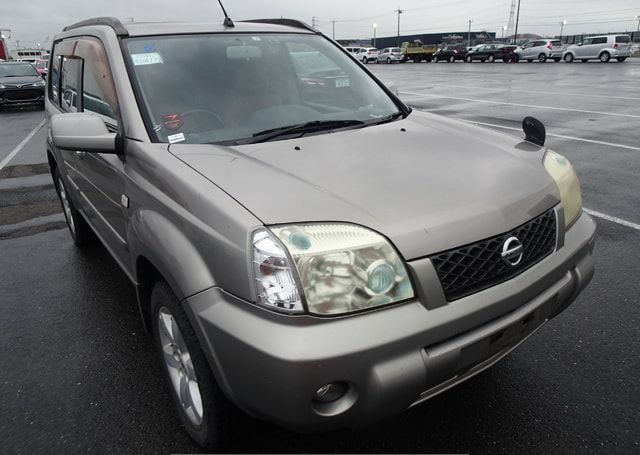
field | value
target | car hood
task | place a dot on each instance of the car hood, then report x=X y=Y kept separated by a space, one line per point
x=19 y=80
x=426 y=182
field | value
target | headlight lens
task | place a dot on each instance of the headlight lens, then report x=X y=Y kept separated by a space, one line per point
x=568 y=184
x=341 y=268
x=38 y=84
x=2 y=86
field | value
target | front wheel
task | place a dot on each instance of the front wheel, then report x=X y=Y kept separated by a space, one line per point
x=568 y=58
x=621 y=59
x=491 y=59
x=468 y=59
x=435 y=59
x=203 y=409
x=388 y=60
x=605 y=57
x=452 y=59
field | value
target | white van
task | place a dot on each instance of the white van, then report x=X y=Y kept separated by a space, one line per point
x=604 y=48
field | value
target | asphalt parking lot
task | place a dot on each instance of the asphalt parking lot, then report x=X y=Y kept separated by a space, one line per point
x=80 y=374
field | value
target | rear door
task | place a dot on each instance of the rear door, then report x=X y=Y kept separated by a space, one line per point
x=598 y=44
x=63 y=81
x=101 y=175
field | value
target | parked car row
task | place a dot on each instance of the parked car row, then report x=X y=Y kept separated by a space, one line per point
x=603 y=48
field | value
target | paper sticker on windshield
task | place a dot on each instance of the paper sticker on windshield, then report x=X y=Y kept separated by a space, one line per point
x=175 y=138
x=343 y=83
x=150 y=58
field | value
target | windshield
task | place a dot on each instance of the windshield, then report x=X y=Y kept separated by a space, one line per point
x=222 y=88
x=13 y=70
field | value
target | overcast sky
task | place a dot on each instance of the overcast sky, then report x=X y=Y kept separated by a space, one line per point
x=33 y=21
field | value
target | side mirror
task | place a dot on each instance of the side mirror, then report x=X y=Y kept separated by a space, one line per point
x=534 y=131
x=83 y=132
x=579 y=44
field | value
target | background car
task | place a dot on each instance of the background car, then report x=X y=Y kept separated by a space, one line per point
x=604 y=48
x=489 y=53
x=450 y=54
x=540 y=50
x=390 y=55
x=370 y=55
x=20 y=83
x=41 y=67
x=356 y=50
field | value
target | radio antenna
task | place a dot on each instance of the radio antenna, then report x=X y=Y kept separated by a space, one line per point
x=227 y=20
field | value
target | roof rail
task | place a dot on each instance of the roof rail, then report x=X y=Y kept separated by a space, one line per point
x=286 y=22
x=112 y=22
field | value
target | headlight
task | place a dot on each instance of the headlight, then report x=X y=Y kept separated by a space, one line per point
x=335 y=268
x=38 y=84
x=568 y=184
x=2 y=86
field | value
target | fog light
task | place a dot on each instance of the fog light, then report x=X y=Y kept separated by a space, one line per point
x=330 y=392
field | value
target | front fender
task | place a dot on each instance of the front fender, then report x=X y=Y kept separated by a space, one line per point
x=171 y=253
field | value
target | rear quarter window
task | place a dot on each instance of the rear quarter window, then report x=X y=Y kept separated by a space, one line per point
x=623 y=39
x=556 y=43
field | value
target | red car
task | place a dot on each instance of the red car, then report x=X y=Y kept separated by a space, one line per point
x=41 y=67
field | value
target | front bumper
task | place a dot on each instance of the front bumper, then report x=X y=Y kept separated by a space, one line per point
x=30 y=94
x=271 y=365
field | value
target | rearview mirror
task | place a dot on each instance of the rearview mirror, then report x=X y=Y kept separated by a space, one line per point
x=83 y=132
x=534 y=131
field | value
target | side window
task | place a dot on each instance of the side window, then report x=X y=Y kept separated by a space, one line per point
x=70 y=84
x=602 y=40
x=98 y=92
x=586 y=42
x=54 y=79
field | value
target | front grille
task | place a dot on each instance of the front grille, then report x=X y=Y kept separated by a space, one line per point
x=471 y=268
x=23 y=95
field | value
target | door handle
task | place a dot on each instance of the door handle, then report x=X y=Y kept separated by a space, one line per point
x=80 y=154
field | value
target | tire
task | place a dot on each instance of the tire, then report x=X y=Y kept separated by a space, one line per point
x=542 y=58
x=621 y=59
x=468 y=59
x=568 y=58
x=435 y=59
x=491 y=59
x=556 y=59
x=365 y=61
x=389 y=60
x=605 y=57
x=209 y=414
x=529 y=60
x=451 y=59
x=80 y=231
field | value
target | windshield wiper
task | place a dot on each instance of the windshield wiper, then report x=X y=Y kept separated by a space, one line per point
x=302 y=128
x=386 y=119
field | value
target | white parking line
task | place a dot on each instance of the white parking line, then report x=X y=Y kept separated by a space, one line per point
x=540 y=92
x=614 y=219
x=19 y=147
x=533 y=106
x=561 y=136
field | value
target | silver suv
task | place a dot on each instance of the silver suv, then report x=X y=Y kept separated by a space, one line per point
x=603 y=48
x=540 y=50
x=302 y=244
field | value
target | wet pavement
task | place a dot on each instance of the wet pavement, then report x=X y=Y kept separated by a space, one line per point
x=80 y=374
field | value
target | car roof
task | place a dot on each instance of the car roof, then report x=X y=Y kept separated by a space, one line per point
x=176 y=28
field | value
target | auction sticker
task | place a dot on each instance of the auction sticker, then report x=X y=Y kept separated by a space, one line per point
x=150 y=58
x=175 y=138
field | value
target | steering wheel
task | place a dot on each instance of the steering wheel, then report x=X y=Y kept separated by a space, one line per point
x=201 y=121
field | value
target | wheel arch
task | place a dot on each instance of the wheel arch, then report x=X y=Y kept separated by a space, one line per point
x=163 y=252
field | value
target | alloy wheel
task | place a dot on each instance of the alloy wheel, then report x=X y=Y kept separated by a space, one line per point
x=180 y=366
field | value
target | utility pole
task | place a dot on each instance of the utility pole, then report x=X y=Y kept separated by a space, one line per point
x=638 y=29
x=469 y=34
x=333 y=24
x=515 y=36
x=313 y=22
x=399 y=11
x=562 y=24
x=375 y=26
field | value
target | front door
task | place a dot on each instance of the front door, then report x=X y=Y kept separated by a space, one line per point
x=101 y=176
